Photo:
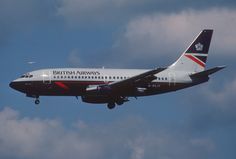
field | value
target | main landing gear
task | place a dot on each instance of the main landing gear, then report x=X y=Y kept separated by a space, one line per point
x=111 y=105
x=118 y=101
x=37 y=101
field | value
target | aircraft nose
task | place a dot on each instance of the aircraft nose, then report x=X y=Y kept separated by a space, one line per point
x=17 y=86
x=12 y=85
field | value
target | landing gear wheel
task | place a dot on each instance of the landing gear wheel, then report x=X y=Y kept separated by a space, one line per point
x=119 y=102
x=37 y=101
x=111 y=105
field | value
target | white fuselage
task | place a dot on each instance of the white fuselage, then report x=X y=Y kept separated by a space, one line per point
x=102 y=75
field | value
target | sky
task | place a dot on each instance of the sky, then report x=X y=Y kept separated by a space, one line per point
x=198 y=122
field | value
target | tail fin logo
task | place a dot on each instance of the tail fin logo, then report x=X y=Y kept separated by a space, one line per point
x=199 y=47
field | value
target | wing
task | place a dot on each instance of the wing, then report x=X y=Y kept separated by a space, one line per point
x=120 y=86
x=136 y=80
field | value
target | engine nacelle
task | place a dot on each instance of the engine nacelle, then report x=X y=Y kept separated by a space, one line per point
x=95 y=99
x=101 y=90
x=104 y=99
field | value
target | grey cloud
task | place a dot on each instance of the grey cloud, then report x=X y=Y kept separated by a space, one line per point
x=213 y=106
x=132 y=137
x=223 y=97
x=155 y=36
x=79 y=11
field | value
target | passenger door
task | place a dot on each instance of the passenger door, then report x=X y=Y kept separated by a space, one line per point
x=46 y=77
x=171 y=79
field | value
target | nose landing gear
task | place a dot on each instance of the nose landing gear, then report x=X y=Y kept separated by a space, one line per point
x=37 y=101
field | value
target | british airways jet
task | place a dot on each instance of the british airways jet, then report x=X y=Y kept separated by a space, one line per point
x=115 y=86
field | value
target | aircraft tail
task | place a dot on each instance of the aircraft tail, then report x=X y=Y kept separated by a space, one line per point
x=195 y=57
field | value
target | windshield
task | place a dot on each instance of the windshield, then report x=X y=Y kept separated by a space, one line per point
x=26 y=76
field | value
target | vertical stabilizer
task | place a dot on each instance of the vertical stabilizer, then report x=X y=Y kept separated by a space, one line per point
x=195 y=57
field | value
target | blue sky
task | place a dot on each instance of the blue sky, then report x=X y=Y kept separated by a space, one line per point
x=198 y=122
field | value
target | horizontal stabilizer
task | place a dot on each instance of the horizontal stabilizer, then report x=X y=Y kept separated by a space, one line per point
x=207 y=72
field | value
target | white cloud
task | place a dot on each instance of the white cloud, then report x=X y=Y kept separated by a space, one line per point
x=22 y=137
x=36 y=138
x=77 y=11
x=167 y=35
x=105 y=11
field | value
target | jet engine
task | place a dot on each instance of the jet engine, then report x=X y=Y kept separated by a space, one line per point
x=95 y=99
x=101 y=90
x=104 y=99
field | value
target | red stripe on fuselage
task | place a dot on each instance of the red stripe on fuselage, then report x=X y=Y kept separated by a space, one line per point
x=62 y=85
x=195 y=60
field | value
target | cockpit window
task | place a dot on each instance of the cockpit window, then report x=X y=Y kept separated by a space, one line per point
x=26 y=76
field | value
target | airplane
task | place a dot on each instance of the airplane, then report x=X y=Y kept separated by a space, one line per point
x=115 y=86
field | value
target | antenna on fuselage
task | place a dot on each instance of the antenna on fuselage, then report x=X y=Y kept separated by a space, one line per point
x=31 y=62
x=31 y=65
